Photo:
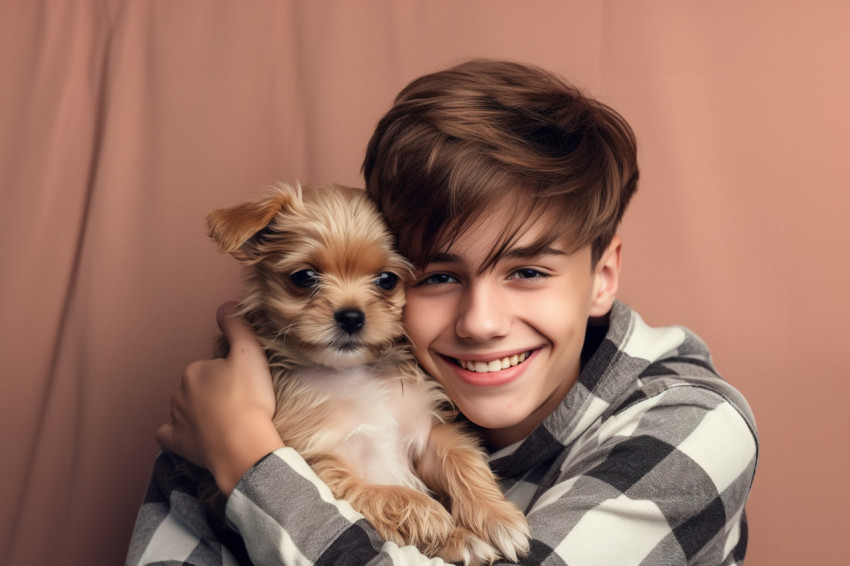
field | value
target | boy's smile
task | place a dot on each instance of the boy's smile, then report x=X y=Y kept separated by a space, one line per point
x=505 y=342
x=492 y=369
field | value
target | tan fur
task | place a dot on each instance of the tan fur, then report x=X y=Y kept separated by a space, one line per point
x=354 y=403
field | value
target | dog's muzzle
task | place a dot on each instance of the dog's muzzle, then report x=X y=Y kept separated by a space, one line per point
x=350 y=320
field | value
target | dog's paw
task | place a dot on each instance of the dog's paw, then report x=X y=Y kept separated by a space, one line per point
x=500 y=525
x=408 y=517
x=463 y=547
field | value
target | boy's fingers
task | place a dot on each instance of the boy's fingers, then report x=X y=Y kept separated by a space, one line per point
x=239 y=334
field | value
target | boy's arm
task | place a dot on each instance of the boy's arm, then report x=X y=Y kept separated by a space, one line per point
x=279 y=513
x=174 y=527
x=222 y=413
x=287 y=515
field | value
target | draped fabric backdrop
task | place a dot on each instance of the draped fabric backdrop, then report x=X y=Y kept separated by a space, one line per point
x=123 y=123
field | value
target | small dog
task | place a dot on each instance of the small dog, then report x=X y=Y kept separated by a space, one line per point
x=325 y=296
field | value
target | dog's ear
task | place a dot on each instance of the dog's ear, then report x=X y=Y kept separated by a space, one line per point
x=232 y=228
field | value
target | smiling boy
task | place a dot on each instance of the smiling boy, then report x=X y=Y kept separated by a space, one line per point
x=620 y=442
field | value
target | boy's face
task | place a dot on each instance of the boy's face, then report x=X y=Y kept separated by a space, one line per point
x=505 y=343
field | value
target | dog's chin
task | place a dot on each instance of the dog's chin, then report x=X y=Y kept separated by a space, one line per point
x=341 y=356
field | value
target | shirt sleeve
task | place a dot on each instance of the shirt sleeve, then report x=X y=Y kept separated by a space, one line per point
x=174 y=526
x=280 y=513
x=287 y=515
x=662 y=482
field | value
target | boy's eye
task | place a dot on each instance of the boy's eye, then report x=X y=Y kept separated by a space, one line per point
x=387 y=281
x=306 y=278
x=527 y=273
x=437 y=279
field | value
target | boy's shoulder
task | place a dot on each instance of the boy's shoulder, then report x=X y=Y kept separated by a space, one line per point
x=642 y=362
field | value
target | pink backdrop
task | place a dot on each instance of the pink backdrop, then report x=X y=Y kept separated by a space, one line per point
x=121 y=124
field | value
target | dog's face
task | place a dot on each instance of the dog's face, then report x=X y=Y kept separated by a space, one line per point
x=322 y=270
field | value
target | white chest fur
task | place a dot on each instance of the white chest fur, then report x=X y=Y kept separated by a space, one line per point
x=376 y=423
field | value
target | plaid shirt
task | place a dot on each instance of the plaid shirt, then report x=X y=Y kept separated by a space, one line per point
x=647 y=461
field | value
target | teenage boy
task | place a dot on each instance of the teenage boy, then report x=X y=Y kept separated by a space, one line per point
x=620 y=442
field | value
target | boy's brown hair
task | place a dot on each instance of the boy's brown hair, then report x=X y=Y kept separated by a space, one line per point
x=497 y=133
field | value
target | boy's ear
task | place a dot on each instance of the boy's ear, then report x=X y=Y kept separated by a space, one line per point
x=606 y=279
x=233 y=228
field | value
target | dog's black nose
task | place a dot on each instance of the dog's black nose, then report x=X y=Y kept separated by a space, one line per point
x=350 y=320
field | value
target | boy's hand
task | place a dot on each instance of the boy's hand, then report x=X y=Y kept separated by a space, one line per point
x=221 y=415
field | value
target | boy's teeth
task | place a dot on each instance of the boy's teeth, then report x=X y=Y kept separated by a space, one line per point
x=493 y=365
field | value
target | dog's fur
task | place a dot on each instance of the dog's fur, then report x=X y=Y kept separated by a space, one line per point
x=322 y=297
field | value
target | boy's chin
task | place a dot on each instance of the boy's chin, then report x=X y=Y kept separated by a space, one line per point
x=492 y=419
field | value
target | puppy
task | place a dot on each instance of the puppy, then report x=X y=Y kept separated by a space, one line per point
x=325 y=296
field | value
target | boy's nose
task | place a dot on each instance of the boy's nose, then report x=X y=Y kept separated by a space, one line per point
x=483 y=315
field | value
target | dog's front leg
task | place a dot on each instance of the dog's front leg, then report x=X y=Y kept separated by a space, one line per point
x=488 y=524
x=400 y=514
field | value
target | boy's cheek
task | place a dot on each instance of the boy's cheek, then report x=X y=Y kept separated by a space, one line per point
x=423 y=317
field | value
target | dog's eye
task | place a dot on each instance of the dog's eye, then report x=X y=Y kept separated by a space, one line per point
x=387 y=281
x=305 y=278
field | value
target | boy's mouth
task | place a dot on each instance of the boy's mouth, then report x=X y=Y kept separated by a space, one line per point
x=492 y=365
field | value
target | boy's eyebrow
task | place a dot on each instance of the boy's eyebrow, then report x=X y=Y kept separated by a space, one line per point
x=443 y=257
x=513 y=253
x=532 y=251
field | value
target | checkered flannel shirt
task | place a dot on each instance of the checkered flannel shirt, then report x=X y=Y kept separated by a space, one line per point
x=647 y=461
